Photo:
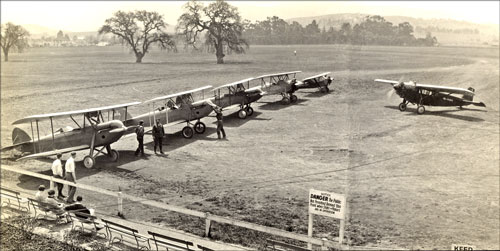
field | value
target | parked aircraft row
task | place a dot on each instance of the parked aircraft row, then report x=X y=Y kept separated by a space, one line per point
x=100 y=127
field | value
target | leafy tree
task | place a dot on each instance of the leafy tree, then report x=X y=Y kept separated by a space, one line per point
x=60 y=35
x=139 y=29
x=221 y=22
x=13 y=37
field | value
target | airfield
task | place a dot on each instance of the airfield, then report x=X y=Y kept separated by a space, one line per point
x=411 y=181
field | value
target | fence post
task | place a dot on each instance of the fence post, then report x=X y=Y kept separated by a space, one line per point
x=51 y=183
x=120 y=202
x=208 y=224
x=310 y=230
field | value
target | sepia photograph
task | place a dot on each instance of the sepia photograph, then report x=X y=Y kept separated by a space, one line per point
x=250 y=125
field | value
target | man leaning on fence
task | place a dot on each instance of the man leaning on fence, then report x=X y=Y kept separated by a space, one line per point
x=57 y=172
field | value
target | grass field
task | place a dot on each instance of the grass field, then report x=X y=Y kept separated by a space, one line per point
x=411 y=181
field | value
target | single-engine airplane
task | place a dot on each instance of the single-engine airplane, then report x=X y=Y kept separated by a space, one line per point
x=320 y=81
x=283 y=84
x=178 y=108
x=237 y=94
x=431 y=95
x=95 y=130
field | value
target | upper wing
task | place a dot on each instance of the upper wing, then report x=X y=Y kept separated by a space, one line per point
x=278 y=74
x=392 y=82
x=179 y=94
x=316 y=76
x=450 y=90
x=62 y=114
x=54 y=152
x=234 y=83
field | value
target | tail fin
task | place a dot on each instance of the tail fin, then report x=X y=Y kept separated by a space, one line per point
x=467 y=96
x=19 y=136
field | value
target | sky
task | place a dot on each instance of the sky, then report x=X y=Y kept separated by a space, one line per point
x=90 y=15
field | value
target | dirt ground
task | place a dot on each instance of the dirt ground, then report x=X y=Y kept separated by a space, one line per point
x=412 y=181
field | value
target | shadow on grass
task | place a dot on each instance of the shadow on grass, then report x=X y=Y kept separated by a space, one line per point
x=277 y=105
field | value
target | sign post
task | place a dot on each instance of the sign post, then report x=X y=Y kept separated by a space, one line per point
x=327 y=204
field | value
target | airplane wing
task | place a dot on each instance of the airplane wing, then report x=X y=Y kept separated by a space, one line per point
x=392 y=82
x=234 y=83
x=54 y=152
x=316 y=76
x=446 y=89
x=62 y=114
x=278 y=74
x=178 y=94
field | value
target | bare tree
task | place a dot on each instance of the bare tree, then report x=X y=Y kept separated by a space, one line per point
x=222 y=23
x=13 y=37
x=139 y=29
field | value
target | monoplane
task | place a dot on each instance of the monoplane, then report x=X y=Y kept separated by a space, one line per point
x=320 y=81
x=236 y=94
x=178 y=108
x=99 y=127
x=283 y=84
x=431 y=95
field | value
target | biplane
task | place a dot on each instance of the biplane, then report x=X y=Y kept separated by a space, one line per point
x=178 y=108
x=320 y=81
x=237 y=94
x=99 y=127
x=431 y=95
x=283 y=84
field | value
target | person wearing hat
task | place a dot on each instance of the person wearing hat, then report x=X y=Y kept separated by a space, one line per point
x=55 y=206
x=57 y=172
x=220 y=125
x=139 y=131
x=71 y=176
x=158 y=134
x=40 y=195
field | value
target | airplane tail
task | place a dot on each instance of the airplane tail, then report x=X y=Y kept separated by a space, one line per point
x=19 y=136
x=469 y=97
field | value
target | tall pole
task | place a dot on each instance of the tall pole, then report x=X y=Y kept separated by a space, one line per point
x=52 y=130
x=310 y=230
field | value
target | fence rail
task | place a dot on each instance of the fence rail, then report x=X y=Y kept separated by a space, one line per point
x=208 y=217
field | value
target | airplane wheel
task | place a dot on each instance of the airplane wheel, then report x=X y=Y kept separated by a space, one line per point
x=402 y=107
x=187 y=132
x=323 y=89
x=293 y=98
x=249 y=111
x=242 y=114
x=113 y=155
x=199 y=127
x=88 y=162
x=420 y=109
x=285 y=101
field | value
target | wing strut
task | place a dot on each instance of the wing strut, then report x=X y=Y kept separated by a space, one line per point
x=38 y=136
x=33 y=137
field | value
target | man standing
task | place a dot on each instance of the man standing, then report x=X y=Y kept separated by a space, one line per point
x=71 y=176
x=57 y=172
x=220 y=126
x=158 y=134
x=140 y=138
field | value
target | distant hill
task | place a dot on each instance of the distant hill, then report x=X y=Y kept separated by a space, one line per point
x=447 y=31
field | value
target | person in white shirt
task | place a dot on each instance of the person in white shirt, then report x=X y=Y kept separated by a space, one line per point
x=41 y=195
x=71 y=176
x=57 y=172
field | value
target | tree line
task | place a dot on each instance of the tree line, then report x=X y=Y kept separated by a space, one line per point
x=374 y=30
x=219 y=28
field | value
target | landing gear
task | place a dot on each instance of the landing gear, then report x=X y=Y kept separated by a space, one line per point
x=242 y=114
x=324 y=89
x=88 y=161
x=188 y=132
x=402 y=107
x=293 y=98
x=199 y=127
x=420 y=109
x=285 y=101
x=113 y=154
x=249 y=110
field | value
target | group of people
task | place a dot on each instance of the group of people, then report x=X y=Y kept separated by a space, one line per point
x=158 y=133
x=68 y=173
x=61 y=209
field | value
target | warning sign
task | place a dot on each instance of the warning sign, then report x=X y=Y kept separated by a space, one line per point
x=327 y=204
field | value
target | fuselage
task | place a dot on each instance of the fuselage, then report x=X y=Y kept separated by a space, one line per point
x=238 y=98
x=427 y=98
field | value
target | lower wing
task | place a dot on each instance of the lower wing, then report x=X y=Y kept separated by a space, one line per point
x=54 y=152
